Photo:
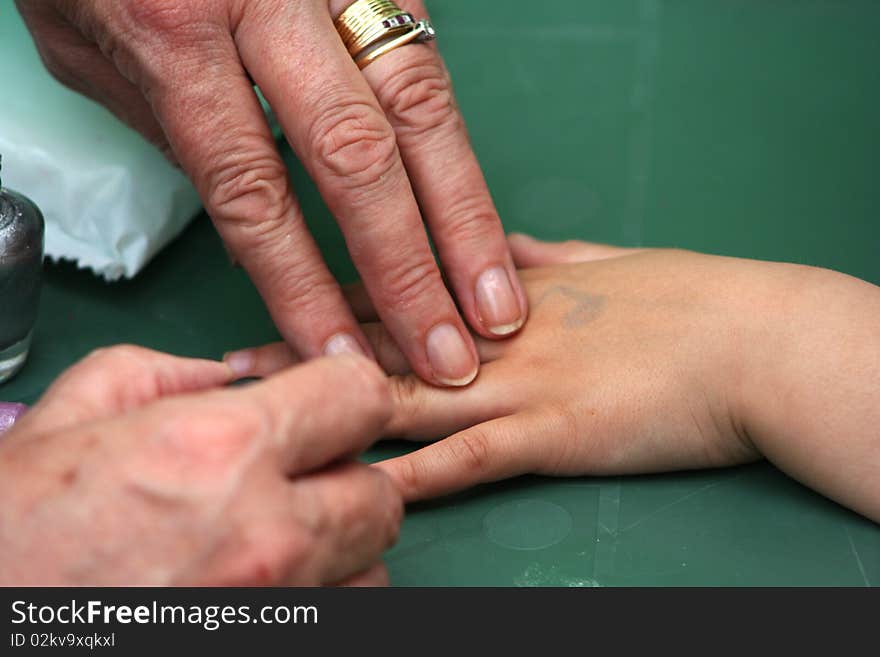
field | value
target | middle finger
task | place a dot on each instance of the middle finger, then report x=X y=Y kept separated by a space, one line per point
x=337 y=128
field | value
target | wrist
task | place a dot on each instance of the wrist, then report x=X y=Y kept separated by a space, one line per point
x=811 y=397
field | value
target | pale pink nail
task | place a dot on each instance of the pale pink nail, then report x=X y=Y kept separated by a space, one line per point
x=342 y=343
x=452 y=361
x=497 y=302
x=240 y=362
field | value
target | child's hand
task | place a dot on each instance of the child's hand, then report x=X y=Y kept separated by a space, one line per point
x=643 y=361
x=629 y=363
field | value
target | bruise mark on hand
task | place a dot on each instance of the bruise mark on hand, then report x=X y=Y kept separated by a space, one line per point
x=586 y=307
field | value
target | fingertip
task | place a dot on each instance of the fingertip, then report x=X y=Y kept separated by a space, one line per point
x=507 y=330
x=401 y=472
x=452 y=356
x=367 y=366
x=526 y=250
x=519 y=242
x=240 y=363
x=499 y=300
x=343 y=343
x=463 y=382
x=260 y=362
x=520 y=237
x=323 y=411
x=373 y=383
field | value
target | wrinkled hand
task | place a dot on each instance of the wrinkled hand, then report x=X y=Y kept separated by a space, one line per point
x=643 y=361
x=380 y=144
x=136 y=469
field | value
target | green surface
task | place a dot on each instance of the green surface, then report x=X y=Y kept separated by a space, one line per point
x=744 y=128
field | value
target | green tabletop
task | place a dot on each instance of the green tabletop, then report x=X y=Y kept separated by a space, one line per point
x=743 y=128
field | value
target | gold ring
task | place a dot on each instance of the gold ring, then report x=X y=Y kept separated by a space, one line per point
x=372 y=28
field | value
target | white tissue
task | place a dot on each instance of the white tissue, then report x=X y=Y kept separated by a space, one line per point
x=111 y=201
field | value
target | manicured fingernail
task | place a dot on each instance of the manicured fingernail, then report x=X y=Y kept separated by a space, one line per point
x=452 y=361
x=497 y=303
x=342 y=343
x=240 y=362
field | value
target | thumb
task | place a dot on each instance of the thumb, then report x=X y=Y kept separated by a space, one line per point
x=118 y=379
x=529 y=252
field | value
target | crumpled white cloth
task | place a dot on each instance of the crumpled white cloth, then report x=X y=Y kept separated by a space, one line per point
x=110 y=199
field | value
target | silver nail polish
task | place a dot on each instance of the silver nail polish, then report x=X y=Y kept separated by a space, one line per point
x=21 y=262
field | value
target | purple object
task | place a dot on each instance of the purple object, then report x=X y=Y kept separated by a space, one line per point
x=9 y=413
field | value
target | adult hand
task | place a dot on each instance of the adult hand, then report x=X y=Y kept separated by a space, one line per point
x=137 y=469
x=644 y=361
x=380 y=146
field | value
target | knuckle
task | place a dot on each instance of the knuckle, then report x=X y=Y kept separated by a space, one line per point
x=407 y=283
x=355 y=143
x=316 y=510
x=419 y=98
x=379 y=512
x=569 y=423
x=406 y=392
x=305 y=287
x=375 y=510
x=472 y=220
x=142 y=38
x=271 y=554
x=409 y=476
x=566 y=425
x=99 y=374
x=247 y=192
x=395 y=510
x=406 y=401
x=207 y=441
x=473 y=450
x=56 y=64
x=373 y=386
x=349 y=506
x=164 y=17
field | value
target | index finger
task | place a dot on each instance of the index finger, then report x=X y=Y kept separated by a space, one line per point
x=321 y=412
x=230 y=154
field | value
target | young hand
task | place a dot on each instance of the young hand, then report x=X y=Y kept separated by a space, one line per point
x=650 y=360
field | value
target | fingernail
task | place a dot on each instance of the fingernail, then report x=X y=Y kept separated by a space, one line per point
x=497 y=303
x=240 y=362
x=450 y=357
x=342 y=343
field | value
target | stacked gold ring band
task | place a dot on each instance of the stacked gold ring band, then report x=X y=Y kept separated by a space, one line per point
x=372 y=28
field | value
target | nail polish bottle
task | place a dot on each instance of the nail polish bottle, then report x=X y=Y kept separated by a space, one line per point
x=21 y=263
